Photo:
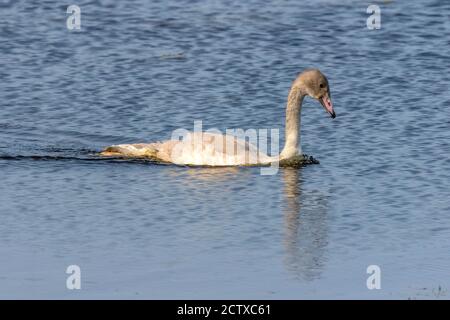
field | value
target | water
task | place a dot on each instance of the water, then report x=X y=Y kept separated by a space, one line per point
x=140 y=69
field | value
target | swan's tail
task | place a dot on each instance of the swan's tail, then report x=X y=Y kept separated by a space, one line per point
x=144 y=150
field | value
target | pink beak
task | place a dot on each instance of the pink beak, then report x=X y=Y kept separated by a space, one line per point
x=326 y=103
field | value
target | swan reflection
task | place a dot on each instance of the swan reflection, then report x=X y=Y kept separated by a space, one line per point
x=305 y=227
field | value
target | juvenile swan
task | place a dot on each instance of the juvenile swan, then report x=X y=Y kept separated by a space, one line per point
x=212 y=149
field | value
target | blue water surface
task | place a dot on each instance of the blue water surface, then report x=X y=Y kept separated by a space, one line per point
x=139 y=69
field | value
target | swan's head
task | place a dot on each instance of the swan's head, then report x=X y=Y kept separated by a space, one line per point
x=314 y=84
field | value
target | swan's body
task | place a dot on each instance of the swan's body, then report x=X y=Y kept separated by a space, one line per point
x=213 y=149
x=197 y=148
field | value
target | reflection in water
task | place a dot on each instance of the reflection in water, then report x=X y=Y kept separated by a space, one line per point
x=213 y=173
x=196 y=176
x=306 y=229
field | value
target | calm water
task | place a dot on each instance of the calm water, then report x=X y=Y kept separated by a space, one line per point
x=138 y=70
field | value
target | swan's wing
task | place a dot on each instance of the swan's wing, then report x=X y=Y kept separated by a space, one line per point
x=213 y=149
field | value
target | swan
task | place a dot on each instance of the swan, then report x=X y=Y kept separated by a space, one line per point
x=215 y=149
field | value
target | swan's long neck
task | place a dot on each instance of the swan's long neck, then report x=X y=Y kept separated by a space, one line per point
x=293 y=120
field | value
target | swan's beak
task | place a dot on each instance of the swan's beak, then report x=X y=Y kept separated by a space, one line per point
x=326 y=103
